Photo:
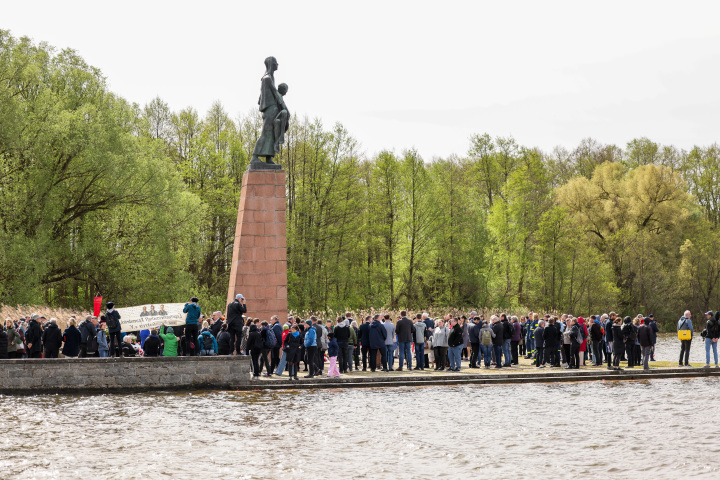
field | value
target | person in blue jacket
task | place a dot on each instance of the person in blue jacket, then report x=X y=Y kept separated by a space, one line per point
x=532 y=324
x=205 y=340
x=192 y=309
x=378 y=334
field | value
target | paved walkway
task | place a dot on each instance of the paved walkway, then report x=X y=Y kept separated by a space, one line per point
x=523 y=373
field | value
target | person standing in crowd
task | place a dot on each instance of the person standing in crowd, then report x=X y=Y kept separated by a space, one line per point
x=580 y=322
x=311 y=347
x=354 y=347
x=486 y=343
x=498 y=339
x=293 y=341
x=685 y=323
x=71 y=339
x=216 y=323
x=389 y=342
x=244 y=338
x=455 y=343
x=429 y=326
x=609 y=342
x=151 y=347
x=576 y=340
x=33 y=337
x=13 y=339
x=112 y=320
x=629 y=336
x=474 y=337
x=192 y=310
x=277 y=331
x=3 y=343
x=533 y=321
x=507 y=339
x=102 y=343
x=596 y=337
x=618 y=345
x=405 y=332
x=712 y=333
x=644 y=336
x=365 y=341
x=224 y=341
x=420 y=330
x=322 y=336
x=440 y=343
x=333 y=350
x=654 y=329
x=88 y=333
x=51 y=339
x=341 y=333
x=170 y=341
x=377 y=344
x=235 y=311
x=540 y=344
x=268 y=343
x=551 y=335
x=255 y=346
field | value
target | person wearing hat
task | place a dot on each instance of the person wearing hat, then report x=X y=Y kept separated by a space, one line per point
x=112 y=320
x=235 y=311
x=170 y=341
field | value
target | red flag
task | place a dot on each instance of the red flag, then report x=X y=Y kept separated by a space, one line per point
x=97 y=306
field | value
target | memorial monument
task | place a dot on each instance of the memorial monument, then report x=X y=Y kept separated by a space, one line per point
x=259 y=265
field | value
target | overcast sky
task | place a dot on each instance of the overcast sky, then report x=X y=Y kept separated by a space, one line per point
x=414 y=74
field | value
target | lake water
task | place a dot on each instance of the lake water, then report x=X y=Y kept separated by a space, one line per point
x=660 y=429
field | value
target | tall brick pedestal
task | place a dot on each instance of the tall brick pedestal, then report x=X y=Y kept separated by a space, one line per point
x=259 y=265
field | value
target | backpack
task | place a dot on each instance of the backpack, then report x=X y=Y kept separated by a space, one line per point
x=207 y=342
x=270 y=340
x=110 y=321
x=580 y=337
x=486 y=337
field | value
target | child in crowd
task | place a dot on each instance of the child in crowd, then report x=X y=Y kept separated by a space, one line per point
x=103 y=349
x=333 y=349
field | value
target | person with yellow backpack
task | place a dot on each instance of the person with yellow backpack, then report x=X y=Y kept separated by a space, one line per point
x=685 y=333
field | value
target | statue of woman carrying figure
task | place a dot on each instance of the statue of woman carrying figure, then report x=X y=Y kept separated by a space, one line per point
x=276 y=119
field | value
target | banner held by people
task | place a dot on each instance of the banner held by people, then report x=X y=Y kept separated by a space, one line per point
x=149 y=316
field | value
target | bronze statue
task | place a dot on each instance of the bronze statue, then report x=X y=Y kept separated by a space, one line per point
x=276 y=119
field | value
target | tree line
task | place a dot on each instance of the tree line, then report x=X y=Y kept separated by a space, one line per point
x=102 y=196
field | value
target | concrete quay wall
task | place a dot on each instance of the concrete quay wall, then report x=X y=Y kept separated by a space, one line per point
x=98 y=375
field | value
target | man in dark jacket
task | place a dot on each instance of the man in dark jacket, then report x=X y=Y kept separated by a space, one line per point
x=365 y=340
x=596 y=337
x=508 y=331
x=474 y=341
x=278 y=331
x=33 y=337
x=88 y=331
x=498 y=340
x=644 y=337
x=550 y=343
x=405 y=332
x=377 y=334
x=654 y=329
x=151 y=347
x=539 y=334
x=112 y=319
x=342 y=336
x=235 y=311
x=52 y=339
x=455 y=343
x=609 y=339
x=216 y=323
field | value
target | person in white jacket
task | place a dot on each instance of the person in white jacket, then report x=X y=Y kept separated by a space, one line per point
x=440 y=343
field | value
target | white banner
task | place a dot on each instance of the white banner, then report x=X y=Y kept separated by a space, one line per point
x=133 y=319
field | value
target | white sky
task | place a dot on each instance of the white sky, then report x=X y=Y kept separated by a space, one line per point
x=418 y=74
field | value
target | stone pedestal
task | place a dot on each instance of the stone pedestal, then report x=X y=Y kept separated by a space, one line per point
x=259 y=265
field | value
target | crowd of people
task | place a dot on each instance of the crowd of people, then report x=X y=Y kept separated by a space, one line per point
x=373 y=343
